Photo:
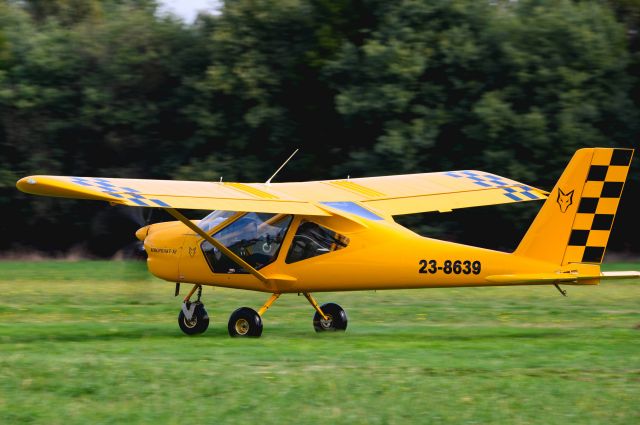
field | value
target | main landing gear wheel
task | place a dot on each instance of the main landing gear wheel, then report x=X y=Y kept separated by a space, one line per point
x=337 y=318
x=245 y=322
x=199 y=320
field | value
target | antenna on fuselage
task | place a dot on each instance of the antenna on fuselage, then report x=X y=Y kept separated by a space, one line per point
x=268 y=182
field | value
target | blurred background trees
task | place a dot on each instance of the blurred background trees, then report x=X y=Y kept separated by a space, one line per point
x=362 y=87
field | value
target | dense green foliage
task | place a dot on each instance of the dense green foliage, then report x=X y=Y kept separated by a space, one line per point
x=98 y=342
x=363 y=87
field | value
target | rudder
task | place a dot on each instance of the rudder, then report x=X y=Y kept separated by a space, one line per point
x=575 y=221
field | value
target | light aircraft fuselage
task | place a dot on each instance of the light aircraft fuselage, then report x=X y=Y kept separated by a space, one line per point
x=380 y=255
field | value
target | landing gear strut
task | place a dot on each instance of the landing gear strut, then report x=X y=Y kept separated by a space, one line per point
x=337 y=319
x=328 y=317
x=193 y=318
x=247 y=322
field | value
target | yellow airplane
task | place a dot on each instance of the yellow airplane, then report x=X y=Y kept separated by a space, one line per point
x=340 y=235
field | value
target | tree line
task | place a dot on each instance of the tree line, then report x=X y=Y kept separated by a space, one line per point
x=363 y=87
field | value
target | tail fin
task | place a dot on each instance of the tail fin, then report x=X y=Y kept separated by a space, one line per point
x=574 y=223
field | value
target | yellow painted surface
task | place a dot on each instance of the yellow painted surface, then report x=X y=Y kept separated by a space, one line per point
x=380 y=254
x=617 y=173
x=607 y=205
x=574 y=254
x=598 y=238
x=390 y=195
x=357 y=188
x=602 y=156
x=252 y=190
x=592 y=189
x=547 y=237
x=583 y=221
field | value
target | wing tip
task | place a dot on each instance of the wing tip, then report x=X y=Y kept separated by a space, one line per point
x=27 y=184
x=57 y=187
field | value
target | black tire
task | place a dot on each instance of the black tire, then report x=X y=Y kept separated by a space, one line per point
x=337 y=318
x=199 y=321
x=245 y=322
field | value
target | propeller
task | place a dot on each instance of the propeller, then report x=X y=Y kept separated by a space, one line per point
x=137 y=215
x=140 y=217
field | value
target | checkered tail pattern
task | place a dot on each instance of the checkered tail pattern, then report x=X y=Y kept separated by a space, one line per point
x=598 y=205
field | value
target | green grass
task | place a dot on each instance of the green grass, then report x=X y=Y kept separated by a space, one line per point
x=98 y=342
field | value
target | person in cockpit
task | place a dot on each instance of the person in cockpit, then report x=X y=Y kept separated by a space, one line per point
x=245 y=236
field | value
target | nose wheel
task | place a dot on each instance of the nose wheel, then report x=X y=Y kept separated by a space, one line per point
x=193 y=318
x=195 y=321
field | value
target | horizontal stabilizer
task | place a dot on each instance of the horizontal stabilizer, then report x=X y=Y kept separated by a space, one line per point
x=542 y=278
x=620 y=275
x=537 y=278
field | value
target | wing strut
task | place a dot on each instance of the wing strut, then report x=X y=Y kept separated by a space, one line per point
x=226 y=251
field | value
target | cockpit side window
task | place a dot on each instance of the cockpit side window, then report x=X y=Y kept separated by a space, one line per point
x=312 y=240
x=255 y=237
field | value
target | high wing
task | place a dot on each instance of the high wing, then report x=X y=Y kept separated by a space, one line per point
x=386 y=195
x=169 y=194
x=416 y=193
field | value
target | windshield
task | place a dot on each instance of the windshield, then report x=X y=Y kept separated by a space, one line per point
x=255 y=237
x=213 y=219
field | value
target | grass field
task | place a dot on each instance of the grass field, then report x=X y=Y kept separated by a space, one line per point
x=98 y=342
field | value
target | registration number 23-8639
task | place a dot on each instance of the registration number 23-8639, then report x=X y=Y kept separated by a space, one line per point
x=449 y=266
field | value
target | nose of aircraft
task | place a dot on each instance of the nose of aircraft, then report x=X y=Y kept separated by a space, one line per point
x=142 y=232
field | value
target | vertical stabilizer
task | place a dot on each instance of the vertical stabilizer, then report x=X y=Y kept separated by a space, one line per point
x=575 y=221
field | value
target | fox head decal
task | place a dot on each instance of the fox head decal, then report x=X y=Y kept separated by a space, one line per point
x=564 y=199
